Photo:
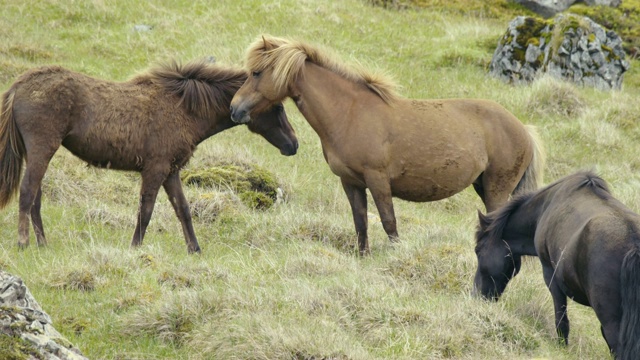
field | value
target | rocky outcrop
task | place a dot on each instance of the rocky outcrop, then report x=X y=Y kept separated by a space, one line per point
x=549 y=8
x=26 y=331
x=568 y=47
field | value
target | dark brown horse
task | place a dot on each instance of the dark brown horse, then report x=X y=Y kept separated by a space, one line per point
x=417 y=150
x=589 y=246
x=150 y=124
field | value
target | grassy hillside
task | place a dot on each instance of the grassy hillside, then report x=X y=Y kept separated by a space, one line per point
x=285 y=282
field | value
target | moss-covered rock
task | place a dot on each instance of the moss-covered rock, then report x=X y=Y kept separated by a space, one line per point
x=14 y=348
x=570 y=47
x=256 y=187
x=26 y=331
x=623 y=19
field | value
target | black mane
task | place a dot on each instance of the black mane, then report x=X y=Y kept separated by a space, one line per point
x=492 y=225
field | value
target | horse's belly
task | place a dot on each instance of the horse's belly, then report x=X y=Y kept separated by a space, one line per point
x=103 y=156
x=422 y=189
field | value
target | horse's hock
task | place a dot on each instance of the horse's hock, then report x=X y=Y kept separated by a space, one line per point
x=26 y=331
x=568 y=47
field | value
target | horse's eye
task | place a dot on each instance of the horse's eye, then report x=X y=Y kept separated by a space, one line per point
x=255 y=73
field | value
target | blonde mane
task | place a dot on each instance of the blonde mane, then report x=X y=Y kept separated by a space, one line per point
x=287 y=57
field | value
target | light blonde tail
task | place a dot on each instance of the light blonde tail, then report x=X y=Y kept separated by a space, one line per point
x=533 y=176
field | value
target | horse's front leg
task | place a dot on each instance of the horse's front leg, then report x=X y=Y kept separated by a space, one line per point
x=358 y=200
x=559 y=303
x=380 y=187
x=151 y=182
x=173 y=187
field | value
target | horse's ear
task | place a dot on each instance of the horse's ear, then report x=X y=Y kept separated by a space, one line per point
x=267 y=45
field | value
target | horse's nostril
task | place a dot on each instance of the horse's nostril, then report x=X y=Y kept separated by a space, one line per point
x=231 y=109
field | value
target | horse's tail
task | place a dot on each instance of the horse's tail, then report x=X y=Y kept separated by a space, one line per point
x=532 y=177
x=628 y=344
x=12 y=150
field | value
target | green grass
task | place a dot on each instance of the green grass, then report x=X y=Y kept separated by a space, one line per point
x=285 y=282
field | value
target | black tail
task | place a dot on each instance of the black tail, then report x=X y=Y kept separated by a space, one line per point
x=628 y=342
x=11 y=151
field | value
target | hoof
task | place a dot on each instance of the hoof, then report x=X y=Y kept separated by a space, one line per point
x=22 y=246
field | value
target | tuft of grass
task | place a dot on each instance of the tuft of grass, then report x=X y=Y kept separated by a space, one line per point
x=440 y=268
x=77 y=325
x=555 y=98
x=81 y=280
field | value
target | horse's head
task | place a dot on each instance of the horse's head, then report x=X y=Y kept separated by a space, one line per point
x=274 y=126
x=269 y=74
x=496 y=263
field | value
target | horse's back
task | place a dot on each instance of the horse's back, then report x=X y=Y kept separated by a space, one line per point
x=584 y=237
x=103 y=122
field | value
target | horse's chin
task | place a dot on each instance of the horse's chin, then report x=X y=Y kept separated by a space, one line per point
x=288 y=150
x=245 y=119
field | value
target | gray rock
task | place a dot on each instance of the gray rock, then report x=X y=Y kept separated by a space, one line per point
x=586 y=54
x=612 y=3
x=546 y=8
x=21 y=316
x=549 y=8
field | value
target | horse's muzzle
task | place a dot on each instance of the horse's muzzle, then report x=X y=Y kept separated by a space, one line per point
x=239 y=116
x=289 y=149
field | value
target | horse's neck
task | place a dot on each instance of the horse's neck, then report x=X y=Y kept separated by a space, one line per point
x=520 y=229
x=216 y=124
x=324 y=98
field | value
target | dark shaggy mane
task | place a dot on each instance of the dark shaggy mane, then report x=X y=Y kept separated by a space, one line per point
x=492 y=225
x=203 y=88
x=595 y=183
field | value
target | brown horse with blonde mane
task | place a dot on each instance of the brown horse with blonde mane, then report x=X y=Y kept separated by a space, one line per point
x=150 y=124
x=416 y=150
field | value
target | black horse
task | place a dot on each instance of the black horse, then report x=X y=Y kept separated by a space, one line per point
x=589 y=246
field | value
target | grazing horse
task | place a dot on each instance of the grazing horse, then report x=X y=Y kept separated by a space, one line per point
x=150 y=124
x=416 y=150
x=589 y=246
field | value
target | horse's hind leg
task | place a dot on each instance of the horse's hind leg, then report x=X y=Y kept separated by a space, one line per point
x=151 y=182
x=609 y=315
x=496 y=186
x=30 y=193
x=36 y=218
x=173 y=187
